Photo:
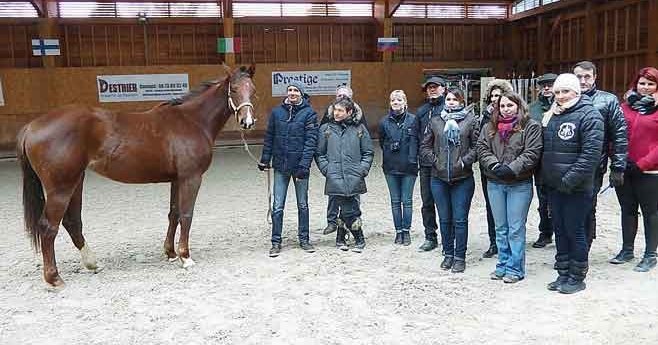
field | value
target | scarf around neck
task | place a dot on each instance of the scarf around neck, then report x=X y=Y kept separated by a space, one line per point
x=451 y=130
x=506 y=126
x=642 y=104
x=557 y=109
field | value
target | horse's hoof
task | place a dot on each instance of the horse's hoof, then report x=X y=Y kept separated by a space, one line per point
x=187 y=263
x=88 y=258
x=56 y=286
x=175 y=258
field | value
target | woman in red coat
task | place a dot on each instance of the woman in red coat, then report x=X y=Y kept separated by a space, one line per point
x=640 y=186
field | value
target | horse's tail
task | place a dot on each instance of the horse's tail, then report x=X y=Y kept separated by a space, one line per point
x=33 y=198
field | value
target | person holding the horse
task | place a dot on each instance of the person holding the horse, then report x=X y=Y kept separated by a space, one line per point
x=573 y=140
x=434 y=89
x=398 y=138
x=537 y=109
x=342 y=91
x=495 y=88
x=344 y=156
x=509 y=149
x=290 y=142
x=450 y=145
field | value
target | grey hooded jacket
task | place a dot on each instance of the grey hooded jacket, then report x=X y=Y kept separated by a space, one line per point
x=344 y=156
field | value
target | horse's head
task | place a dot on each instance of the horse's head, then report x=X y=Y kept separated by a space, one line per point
x=241 y=90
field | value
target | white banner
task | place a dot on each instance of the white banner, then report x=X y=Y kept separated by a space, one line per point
x=315 y=82
x=2 y=97
x=141 y=87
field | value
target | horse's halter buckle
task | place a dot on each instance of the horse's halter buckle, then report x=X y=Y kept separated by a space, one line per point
x=235 y=108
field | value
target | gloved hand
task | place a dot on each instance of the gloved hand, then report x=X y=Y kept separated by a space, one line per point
x=301 y=173
x=632 y=168
x=504 y=172
x=565 y=187
x=263 y=166
x=616 y=178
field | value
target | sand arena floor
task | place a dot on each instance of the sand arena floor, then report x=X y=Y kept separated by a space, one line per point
x=236 y=294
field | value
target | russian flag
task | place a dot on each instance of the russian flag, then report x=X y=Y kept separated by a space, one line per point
x=42 y=47
x=387 y=44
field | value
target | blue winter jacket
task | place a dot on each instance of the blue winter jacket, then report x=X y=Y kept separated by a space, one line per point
x=399 y=142
x=291 y=137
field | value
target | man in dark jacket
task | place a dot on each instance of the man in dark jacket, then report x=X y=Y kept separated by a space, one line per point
x=615 y=141
x=342 y=92
x=573 y=137
x=537 y=110
x=434 y=88
x=290 y=143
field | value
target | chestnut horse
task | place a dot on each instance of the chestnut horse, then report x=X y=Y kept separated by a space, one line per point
x=172 y=142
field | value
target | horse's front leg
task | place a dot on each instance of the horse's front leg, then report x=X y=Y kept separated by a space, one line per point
x=187 y=192
x=174 y=218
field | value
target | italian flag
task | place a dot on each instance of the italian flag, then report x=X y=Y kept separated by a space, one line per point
x=228 y=45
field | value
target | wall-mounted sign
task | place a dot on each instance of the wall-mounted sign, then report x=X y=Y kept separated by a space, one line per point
x=387 y=44
x=2 y=97
x=141 y=87
x=43 y=47
x=315 y=82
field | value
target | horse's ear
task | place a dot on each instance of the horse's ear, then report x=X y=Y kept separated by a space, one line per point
x=227 y=69
x=251 y=70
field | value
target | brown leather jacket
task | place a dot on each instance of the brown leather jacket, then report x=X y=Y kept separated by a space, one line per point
x=522 y=152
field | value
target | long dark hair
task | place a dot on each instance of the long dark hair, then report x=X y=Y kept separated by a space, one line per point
x=522 y=115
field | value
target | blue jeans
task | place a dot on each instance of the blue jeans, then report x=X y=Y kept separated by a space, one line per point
x=401 y=189
x=453 y=202
x=570 y=214
x=281 y=181
x=332 y=210
x=510 y=205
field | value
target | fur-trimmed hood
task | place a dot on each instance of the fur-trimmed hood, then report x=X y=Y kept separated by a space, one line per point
x=502 y=84
x=357 y=114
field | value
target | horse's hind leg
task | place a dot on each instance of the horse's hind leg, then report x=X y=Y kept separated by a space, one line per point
x=55 y=207
x=187 y=193
x=174 y=218
x=72 y=222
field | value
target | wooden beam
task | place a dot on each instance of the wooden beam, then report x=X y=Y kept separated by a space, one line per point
x=393 y=6
x=652 y=48
x=40 y=7
x=589 y=31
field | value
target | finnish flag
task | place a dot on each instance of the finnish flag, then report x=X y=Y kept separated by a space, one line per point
x=41 y=47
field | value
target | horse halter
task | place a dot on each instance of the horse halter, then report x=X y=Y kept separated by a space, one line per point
x=235 y=108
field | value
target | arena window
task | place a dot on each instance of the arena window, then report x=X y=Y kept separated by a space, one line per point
x=524 y=5
x=452 y=11
x=17 y=9
x=133 y=9
x=286 y=9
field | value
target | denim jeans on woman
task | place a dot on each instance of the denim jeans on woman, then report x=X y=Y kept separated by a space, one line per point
x=453 y=202
x=401 y=190
x=281 y=181
x=510 y=205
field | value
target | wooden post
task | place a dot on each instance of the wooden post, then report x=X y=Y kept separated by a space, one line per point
x=589 y=31
x=48 y=28
x=541 y=48
x=229 y=58
x=652 y=49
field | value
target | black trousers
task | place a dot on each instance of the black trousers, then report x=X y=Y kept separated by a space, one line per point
x=590 y=223
x=428 y=210
x=640 y=190
x=491 y=225
x=545 y=224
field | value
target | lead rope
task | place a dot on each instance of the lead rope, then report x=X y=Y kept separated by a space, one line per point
x=269 y=179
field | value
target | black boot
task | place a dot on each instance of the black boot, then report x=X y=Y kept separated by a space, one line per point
x=329 y=229
x=648 y=262
x=406 y=238
x=624 y=256
x=428 y=245
x=341 y=234
x=447 y=262
x=543 y=240
x=459 y=266
x=493 y=250
x=398 y=237
x=359 y=241
x=562 y=268
x=577 y=273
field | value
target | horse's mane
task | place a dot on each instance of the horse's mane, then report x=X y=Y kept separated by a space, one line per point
x=203 y=87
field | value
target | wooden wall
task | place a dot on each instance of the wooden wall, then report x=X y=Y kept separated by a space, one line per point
x=448 y=42
x=16 y=44
x=612 y=34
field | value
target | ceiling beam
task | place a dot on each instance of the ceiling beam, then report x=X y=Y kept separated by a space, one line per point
x=39 y=6
x=393 y=6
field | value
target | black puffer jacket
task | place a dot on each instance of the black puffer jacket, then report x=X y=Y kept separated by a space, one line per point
x=615 y=140
x=424 y=113
x=572 y=147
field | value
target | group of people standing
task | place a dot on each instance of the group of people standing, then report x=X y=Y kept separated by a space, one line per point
x=563 y=141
